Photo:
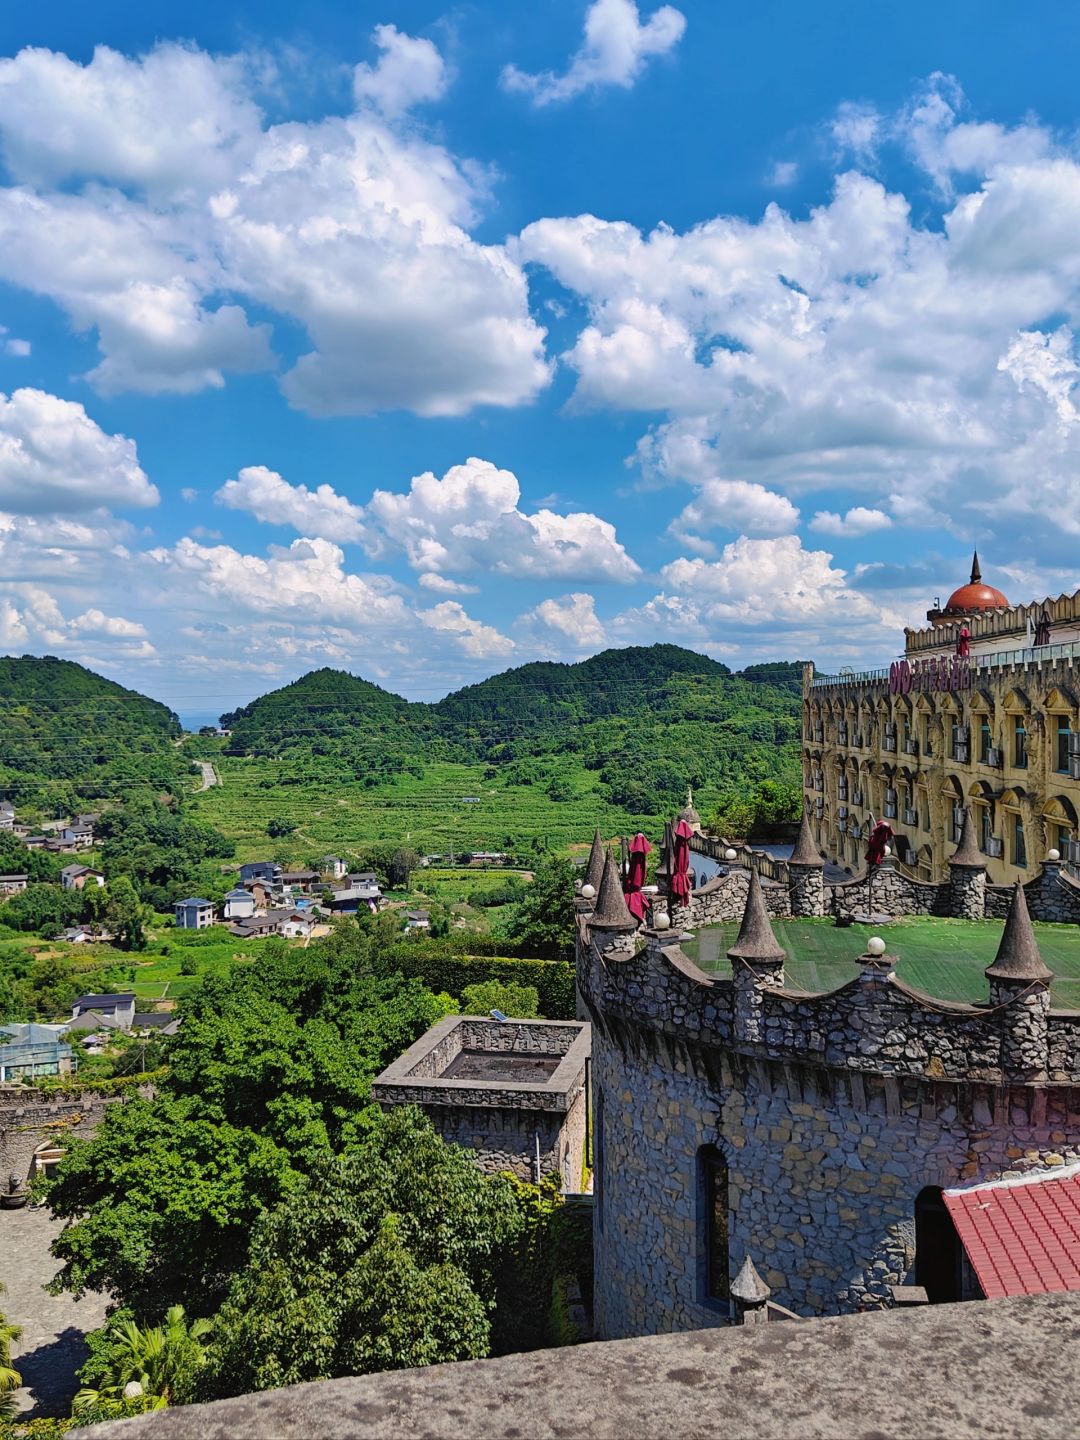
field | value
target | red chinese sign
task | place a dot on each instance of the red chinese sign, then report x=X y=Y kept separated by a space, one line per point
x=938 y=672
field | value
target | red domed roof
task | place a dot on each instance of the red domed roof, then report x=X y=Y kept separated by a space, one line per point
x=975 y=596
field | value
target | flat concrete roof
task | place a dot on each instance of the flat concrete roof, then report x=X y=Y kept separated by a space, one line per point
x=411 y=1080
x=954 y=1372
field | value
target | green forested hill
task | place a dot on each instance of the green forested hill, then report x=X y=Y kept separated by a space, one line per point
x=69 y=737
x=632 y=728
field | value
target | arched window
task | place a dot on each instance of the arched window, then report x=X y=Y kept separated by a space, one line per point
x=714 y=1227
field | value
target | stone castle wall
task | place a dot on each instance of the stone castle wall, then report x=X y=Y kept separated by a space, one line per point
x=832 y=1112
x=30 y=1120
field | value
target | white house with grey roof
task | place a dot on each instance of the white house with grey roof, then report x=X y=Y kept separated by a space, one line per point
x=194 y=914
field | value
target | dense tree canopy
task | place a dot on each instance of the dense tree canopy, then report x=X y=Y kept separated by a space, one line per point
x=384 y=1257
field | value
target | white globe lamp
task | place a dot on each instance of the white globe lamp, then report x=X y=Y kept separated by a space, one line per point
x=887 y=850
x=730 y=855
x=662 y=921
x=588 y=892
x=1053 y=856
x=875 y=945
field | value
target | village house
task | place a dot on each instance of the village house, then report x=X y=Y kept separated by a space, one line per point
x=121 y=1007
x=194 y=914
x=352 y=898
x=266 y=871
x=12 y=884
x=7 y=815
x=334 y=866
x=239 y=905
x=79 y=834
x=417 y=921
x=77 y=877
x=29 y=1050
x=301 y=879
x=290 y=922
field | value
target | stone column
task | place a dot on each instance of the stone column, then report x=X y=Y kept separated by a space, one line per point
x=1020 y=991
x=757 y=964
x=967 y=875
x=806 y=874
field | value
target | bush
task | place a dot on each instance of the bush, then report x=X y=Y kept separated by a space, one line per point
x=520 y=1002
x=442 y=965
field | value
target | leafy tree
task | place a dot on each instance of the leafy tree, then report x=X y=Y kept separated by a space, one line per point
x=10 y=1379
x=742 y=813
x=162 y=1361
x=543 y=919
x=160 y=1203
x=521 y=1002
x=277 y=827
x=126 y=915
x=402 y=864
x=386 y=1258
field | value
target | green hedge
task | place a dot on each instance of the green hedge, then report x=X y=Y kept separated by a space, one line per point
x=442 y=965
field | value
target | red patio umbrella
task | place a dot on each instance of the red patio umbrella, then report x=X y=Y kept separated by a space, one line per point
x=634 y=878
x=680 y=864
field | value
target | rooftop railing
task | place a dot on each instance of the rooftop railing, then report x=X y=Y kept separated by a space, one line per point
x=993 y=660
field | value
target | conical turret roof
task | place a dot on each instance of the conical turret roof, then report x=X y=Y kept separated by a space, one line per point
x=594 y=870
x=805 y=852
x=748 y=1287
x=611 y=912
x=756 y=939
x=967 y=851
x=1018 y=955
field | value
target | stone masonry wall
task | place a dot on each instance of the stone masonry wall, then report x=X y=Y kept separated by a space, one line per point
x=29 y=1120
x=824 y=1171
x=505 y=1140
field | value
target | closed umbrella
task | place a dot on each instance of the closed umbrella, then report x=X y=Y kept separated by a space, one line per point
x=634 y=878
x=680 y=865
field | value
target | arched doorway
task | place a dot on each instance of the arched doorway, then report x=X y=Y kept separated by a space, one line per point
x=938 y=1252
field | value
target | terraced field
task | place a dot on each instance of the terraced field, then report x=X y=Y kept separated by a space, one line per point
x=945 y=958
x=451 y=810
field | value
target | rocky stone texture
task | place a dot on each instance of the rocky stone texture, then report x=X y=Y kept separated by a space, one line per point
x=967 y=892
x=906 y=1375
x=29 y=1120
x=807 y=889
x=503 y=1121
x=833 y=1111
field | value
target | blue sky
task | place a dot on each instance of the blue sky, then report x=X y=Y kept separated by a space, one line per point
x=426 y=340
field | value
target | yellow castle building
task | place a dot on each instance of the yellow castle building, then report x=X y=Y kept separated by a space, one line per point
x=982 y=711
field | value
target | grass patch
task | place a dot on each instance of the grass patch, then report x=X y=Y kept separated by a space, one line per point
x=945 y=958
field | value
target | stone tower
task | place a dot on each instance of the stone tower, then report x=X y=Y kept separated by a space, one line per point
x=1020 y=986
x=611 y=923
x=806 y=874
x=967 y=874
x=757 y=963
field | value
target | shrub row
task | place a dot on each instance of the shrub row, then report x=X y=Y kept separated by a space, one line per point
x=442 y=967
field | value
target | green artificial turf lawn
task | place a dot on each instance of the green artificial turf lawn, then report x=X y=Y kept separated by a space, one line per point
x=945 y=958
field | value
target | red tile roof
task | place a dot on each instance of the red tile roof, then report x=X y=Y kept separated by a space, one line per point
x=1022 y=1237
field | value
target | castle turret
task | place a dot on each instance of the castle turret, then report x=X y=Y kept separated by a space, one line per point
x=611 y=922
x=594 y=870
x=750 y=1294
x=967 y=874
x=806 y=874
x=757 y=963
x=1020 y=986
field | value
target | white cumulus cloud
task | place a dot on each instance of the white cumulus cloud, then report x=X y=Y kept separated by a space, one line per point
x=154 y=204
x=857 y=521
x=54 y=457
x=470 y=520
x=472 y=636
x=409 y=71
x=270 y=498
x=572 y=617
x=616 y=45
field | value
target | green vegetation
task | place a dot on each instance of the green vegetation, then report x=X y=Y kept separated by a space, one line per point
x=527 y=760
x=520 y=1002
x=944 y=958
x=10 y=1379
x=71 y=737
x=162 y=1360
x=741 y=813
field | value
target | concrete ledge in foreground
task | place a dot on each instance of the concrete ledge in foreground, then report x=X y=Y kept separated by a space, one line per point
x=956 y=1372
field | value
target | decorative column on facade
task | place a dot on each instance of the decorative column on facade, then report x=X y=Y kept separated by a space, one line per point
x=967 y=875
x=611 y=924
x=1020 y=985
x=751 y=1295
x=757 y=964
x=806 y=874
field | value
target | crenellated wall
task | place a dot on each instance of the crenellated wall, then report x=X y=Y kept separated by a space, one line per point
x=831 y=1110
